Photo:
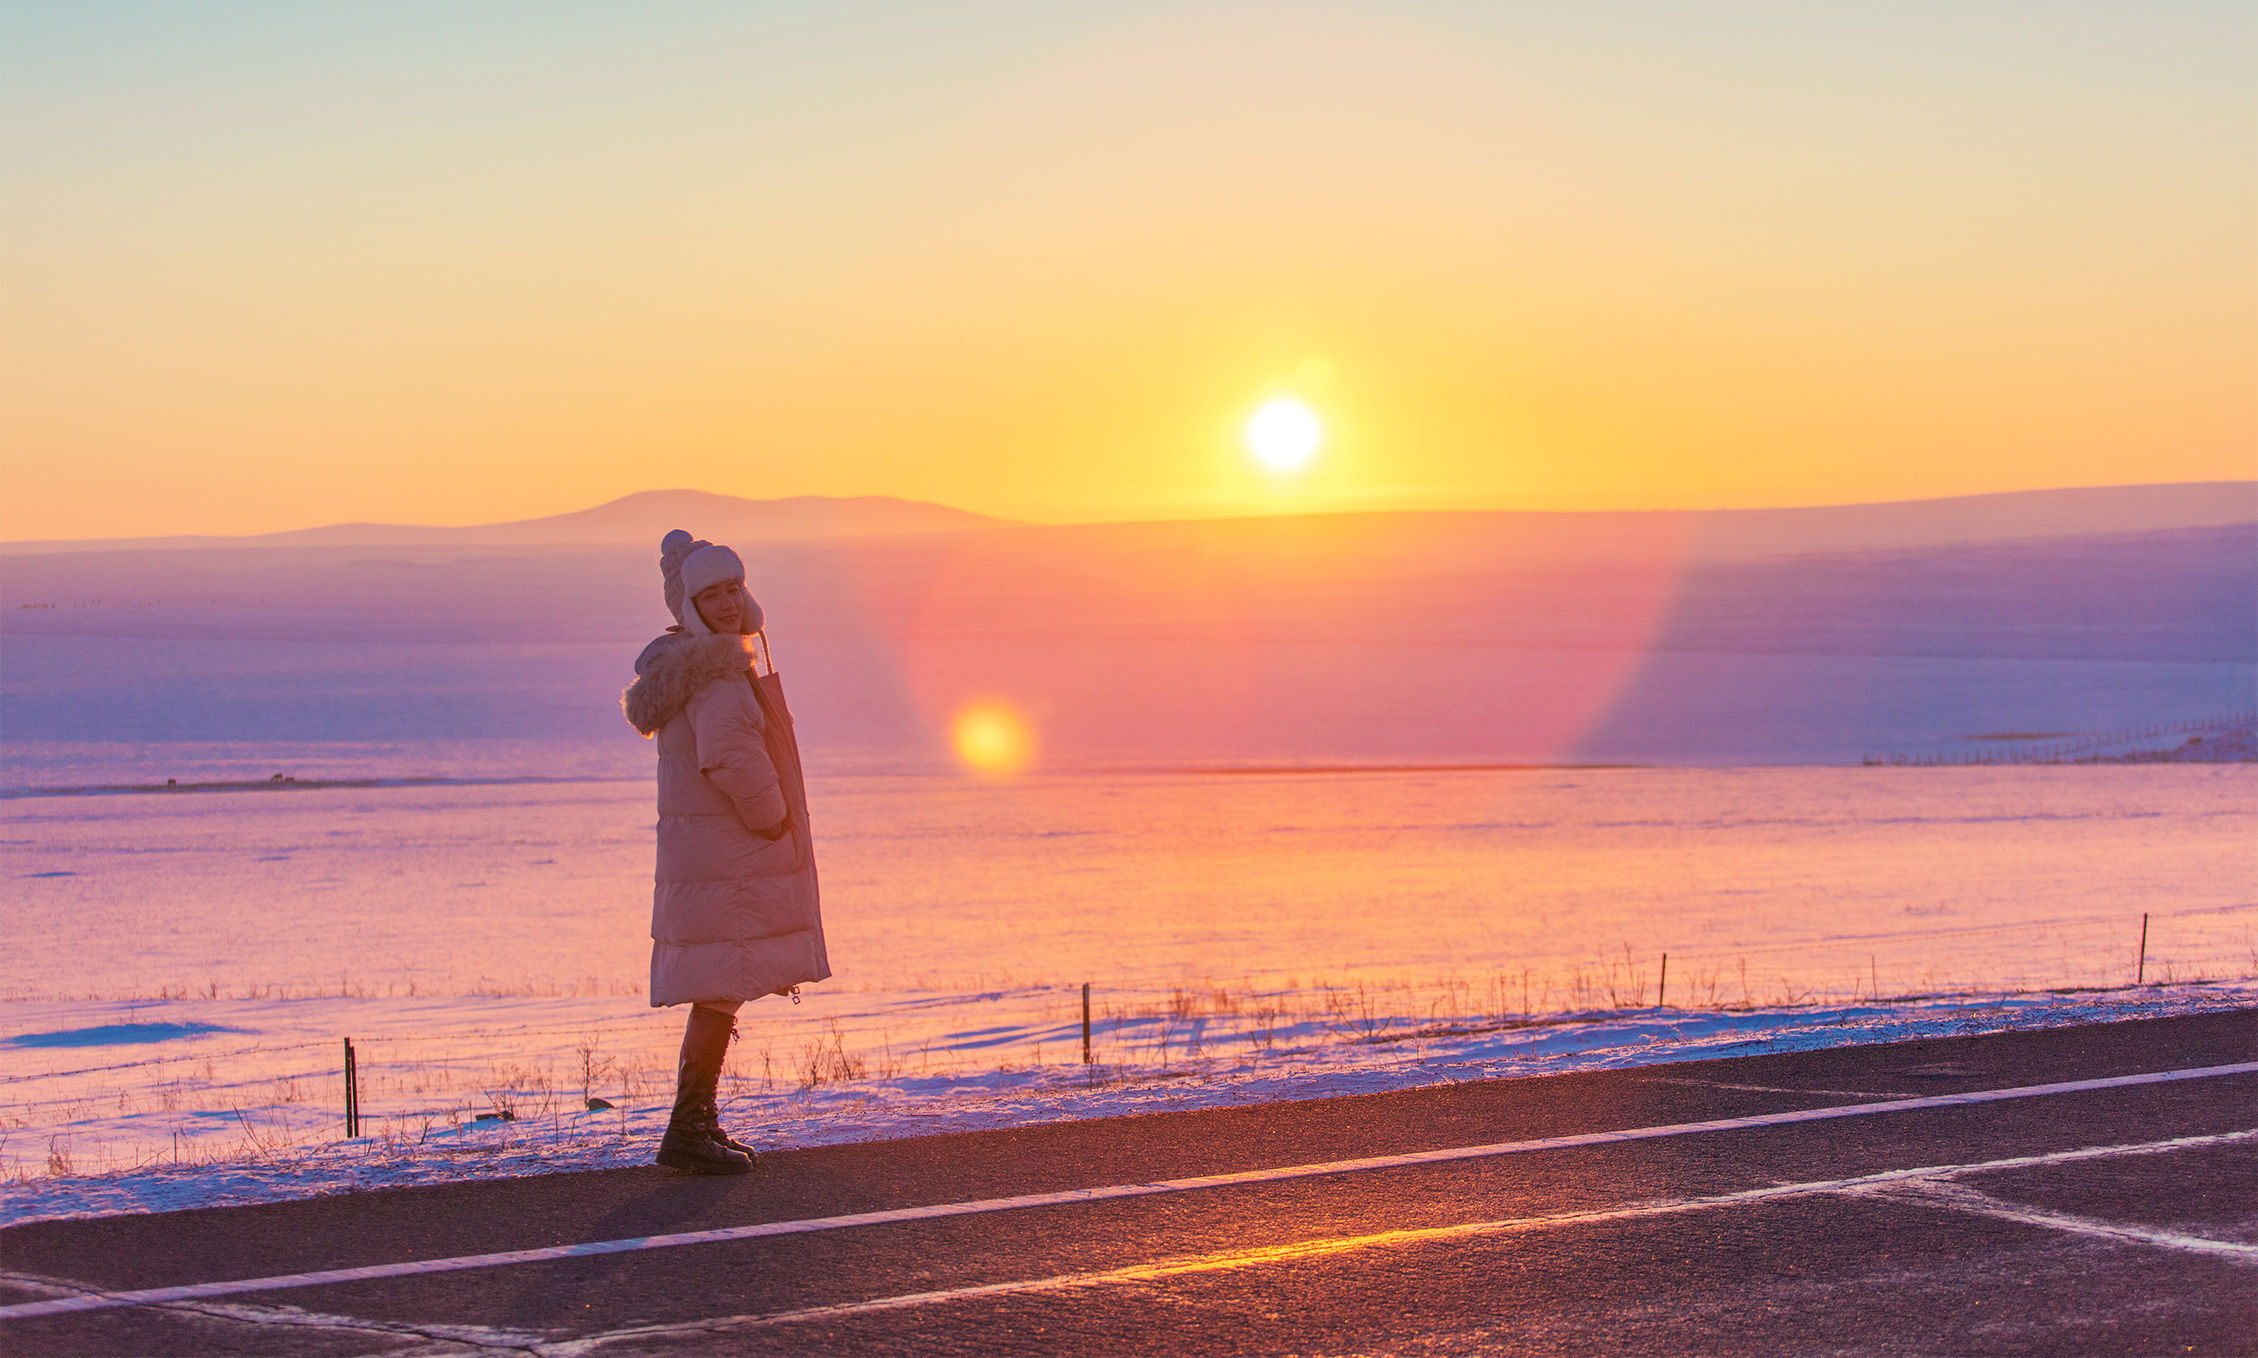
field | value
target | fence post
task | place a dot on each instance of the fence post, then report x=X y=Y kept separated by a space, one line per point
x=352 y=1093
x=1662 y=987
x=2140 y=968
x=1085 y=1023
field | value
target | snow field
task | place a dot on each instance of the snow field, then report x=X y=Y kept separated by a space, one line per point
x=173 y=1035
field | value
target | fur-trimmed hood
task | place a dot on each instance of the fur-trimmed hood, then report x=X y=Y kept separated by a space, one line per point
x=673 y=668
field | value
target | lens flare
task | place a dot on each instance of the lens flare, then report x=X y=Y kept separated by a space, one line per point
x=1284 y=434
x=993 y=739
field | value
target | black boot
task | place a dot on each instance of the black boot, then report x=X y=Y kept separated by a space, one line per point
x=715 y=1129
x=712 y=1113
x=690 y=1142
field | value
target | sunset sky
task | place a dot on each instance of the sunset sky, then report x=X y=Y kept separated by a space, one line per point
x=270 y=266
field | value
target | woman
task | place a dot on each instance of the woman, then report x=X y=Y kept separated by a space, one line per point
x=735 y=914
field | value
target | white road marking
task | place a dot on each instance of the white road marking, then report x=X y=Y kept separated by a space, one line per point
x=1931 y=1178
x=1765 y=1089
x=551 y=1253
x=473 y=1336
x=1962 y=1198
x=43 y=1286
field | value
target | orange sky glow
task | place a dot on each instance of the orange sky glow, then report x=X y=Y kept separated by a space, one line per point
x=268 y=267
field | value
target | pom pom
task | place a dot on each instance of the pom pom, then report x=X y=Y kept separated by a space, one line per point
x=674 y=549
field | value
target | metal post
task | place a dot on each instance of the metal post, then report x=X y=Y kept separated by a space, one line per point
x=1085 y=1023
x=352 y=1093
x=1662 y=987
x=2140 y=968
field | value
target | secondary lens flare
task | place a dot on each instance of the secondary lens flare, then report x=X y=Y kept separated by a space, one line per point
x=1284 y=434
x=993 y=739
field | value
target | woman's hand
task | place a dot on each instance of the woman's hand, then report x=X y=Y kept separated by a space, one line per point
x=725 y=722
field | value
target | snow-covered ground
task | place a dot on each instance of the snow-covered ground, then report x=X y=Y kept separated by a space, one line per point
x=187 y=965
x=284 y=1155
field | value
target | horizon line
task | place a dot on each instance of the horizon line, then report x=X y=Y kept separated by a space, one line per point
x=999 y=521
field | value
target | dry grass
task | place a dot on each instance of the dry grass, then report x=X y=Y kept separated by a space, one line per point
x=826 y=1060
x=595 y=1067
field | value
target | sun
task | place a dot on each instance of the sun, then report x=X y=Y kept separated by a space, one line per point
x=1284 y=434
x=993 y=739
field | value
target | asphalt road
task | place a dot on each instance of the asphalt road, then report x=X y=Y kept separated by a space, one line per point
x=2112 y=1220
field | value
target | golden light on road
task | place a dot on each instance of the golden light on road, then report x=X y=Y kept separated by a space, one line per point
x=993 y=739
x=1284 y=434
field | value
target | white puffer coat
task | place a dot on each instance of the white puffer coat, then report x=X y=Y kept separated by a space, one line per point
x=735 y=913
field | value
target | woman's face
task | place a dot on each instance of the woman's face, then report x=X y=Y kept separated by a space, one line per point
x=722 y=606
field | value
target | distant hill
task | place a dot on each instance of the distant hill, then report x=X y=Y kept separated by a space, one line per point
x=1912 y=524
x=1757 y=636
x=1491 y=537
x=638 y=520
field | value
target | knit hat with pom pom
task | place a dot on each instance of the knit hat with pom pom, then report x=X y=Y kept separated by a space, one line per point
x=708 y=566
x=691 y=567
